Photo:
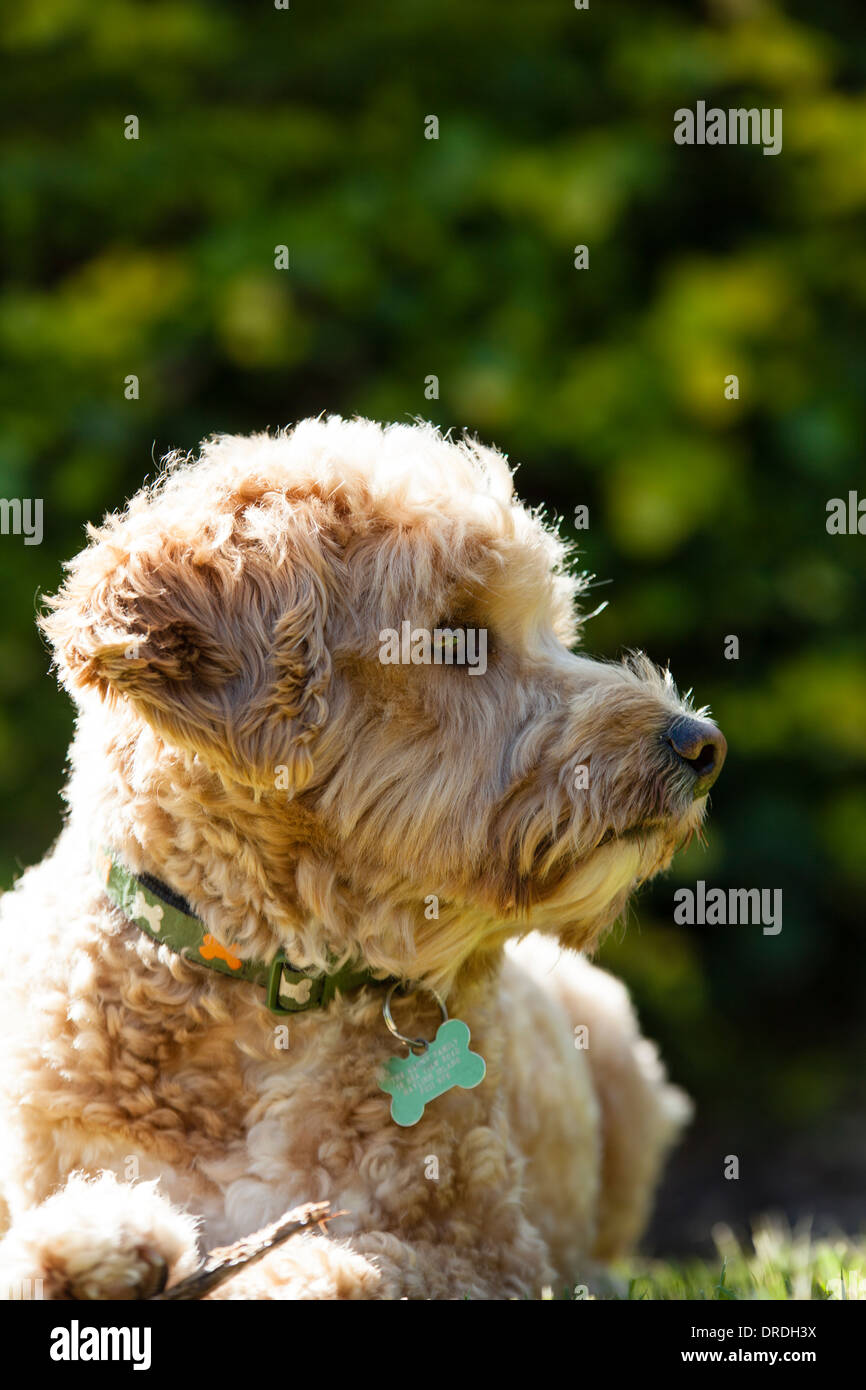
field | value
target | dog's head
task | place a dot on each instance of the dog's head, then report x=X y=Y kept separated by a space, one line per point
x=365 y=641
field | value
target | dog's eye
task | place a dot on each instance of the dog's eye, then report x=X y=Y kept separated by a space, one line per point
x=447 y=636
x=459 y=644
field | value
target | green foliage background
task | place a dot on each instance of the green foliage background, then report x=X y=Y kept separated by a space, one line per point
x=455 y=257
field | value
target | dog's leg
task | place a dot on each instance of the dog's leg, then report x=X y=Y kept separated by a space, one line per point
x=641 y=1114
x=379 y=1265
x=97 y=1238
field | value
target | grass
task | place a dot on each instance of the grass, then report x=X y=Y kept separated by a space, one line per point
x=778 y=1264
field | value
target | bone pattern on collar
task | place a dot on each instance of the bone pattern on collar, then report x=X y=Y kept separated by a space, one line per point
x=165 y=916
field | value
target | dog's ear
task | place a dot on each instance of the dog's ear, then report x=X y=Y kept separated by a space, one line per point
x=221 y=650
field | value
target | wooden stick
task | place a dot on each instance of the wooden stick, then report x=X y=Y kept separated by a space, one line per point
x=221 y=1264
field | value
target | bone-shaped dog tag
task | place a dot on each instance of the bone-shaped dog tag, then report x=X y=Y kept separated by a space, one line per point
x=414 y=1080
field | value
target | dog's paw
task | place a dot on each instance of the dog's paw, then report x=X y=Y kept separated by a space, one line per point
x=307 y=1267
x=137 y=1272
x=97 y=1238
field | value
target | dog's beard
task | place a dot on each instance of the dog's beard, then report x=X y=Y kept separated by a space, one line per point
x=575 y=881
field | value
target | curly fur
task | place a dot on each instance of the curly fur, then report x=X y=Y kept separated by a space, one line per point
x=238 y=738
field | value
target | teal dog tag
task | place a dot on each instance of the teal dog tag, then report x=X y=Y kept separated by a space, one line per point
x=413 y=1081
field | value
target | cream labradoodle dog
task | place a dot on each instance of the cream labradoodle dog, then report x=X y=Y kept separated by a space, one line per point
x=292 y=766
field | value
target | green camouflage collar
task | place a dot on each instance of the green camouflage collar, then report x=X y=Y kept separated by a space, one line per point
x=165 y=917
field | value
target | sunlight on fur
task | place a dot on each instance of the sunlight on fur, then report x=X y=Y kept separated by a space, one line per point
x=239 y=739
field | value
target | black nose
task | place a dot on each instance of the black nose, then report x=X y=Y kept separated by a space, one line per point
x=700 y=746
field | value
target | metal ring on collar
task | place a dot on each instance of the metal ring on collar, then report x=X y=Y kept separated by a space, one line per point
x=413 y=1043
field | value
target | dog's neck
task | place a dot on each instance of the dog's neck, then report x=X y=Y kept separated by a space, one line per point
x=166 y=917
x=258 y=869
